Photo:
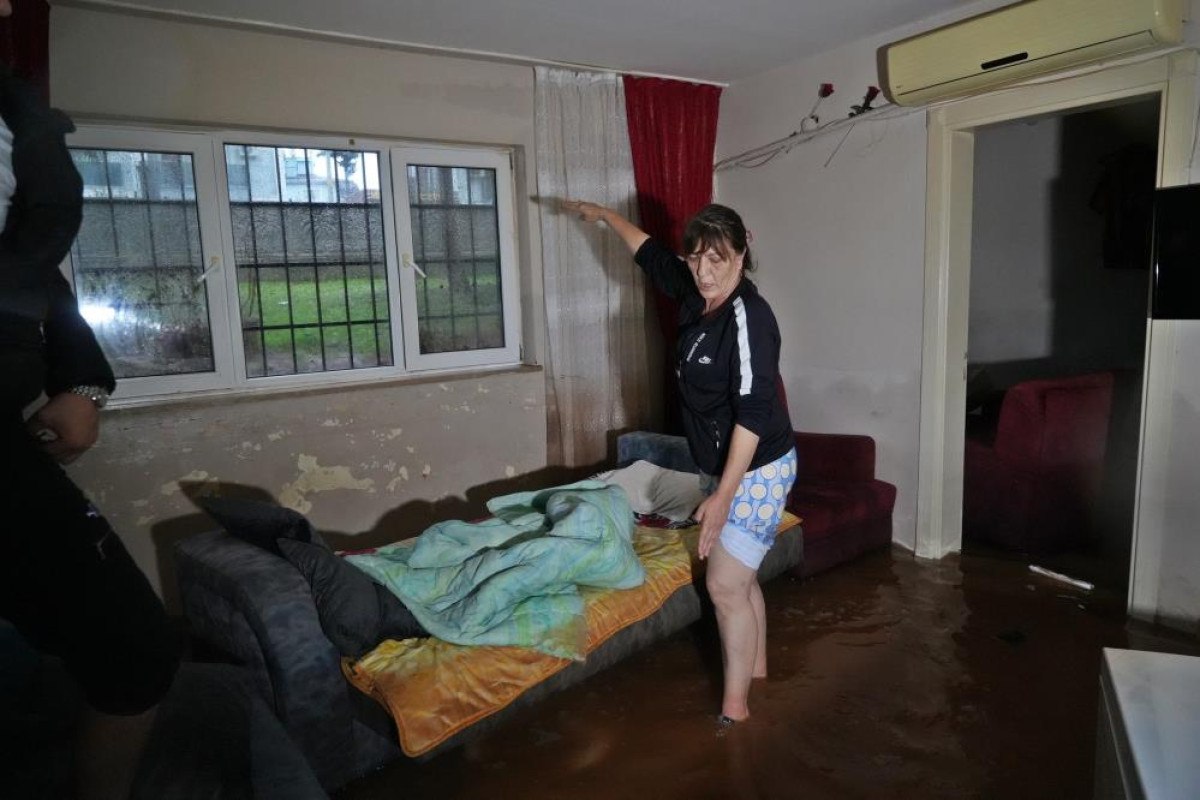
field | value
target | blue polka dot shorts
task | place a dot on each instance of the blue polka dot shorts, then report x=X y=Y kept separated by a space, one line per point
x=756 y=509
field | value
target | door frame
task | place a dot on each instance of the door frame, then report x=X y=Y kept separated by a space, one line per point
x=949 y=195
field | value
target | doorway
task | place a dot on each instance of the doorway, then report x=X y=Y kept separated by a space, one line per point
x=1059 y=297
x=949 y=192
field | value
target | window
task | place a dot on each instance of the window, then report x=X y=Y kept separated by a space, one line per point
x=312 y=276
x=210 y=261
x=456 y=239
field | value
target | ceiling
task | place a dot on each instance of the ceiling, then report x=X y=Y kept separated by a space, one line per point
x=713 y=40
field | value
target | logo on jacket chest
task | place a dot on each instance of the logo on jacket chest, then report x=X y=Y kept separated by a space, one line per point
x=696 y=353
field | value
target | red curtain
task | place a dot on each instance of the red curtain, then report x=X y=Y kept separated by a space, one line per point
x=672 y=133
x=25 y=42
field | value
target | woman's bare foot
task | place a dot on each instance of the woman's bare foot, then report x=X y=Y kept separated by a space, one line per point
x=735 y=714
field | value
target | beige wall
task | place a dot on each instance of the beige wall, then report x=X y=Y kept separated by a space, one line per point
x=384 y=458
x=840 y=243
x=841 y=240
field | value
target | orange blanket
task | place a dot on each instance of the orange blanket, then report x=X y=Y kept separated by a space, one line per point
x=435 y=689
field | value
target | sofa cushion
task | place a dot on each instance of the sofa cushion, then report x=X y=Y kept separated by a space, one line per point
x=355 y=612
x=825 y=506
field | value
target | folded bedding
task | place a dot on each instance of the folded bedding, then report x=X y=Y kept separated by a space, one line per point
x=515 y=578
x=434 y=688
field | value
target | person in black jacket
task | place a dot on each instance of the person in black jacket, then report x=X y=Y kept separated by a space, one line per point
x=738 y=430
x=67 y=584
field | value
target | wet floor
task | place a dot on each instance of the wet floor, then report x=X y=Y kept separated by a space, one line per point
x=889 y=678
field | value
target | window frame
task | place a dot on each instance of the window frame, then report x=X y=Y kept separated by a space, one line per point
x=211 y=247
x=308 y=379
x=214 y=210
x=500 y=161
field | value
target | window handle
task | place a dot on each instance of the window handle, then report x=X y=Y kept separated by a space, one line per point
x=214 y=263
x=408 y=262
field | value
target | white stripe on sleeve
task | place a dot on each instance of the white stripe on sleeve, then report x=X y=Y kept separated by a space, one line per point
x=743 y=340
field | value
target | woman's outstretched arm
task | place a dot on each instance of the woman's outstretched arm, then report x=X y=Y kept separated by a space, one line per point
x=633 y=236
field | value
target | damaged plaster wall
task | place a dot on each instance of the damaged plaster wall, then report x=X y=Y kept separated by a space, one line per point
x=366 y=464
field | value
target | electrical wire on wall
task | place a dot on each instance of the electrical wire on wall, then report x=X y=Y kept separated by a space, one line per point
x=811 y=128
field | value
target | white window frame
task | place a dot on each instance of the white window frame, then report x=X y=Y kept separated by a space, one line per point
x=207 y=149
x=199 y=147
x=510 y=353
x=309 y=379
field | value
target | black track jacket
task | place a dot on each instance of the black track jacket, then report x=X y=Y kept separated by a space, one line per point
x=727 y=365
x=44 y=342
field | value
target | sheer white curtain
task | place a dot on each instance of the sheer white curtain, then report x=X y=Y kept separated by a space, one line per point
x=599 y=345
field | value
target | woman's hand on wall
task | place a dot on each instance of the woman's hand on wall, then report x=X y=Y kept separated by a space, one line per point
x=588 y=212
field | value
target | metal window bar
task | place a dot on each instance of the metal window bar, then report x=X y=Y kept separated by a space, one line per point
x=312 y=225
x=187 y=222
x=371 y=271
x=337 y=194
x=287 y=271
x=447 y=181
x=262 y=334
x=473 y=263
x=419 y=206
x=150 y=231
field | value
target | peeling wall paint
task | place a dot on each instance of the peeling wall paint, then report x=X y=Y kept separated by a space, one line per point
x=315 y=478
x=390 y=451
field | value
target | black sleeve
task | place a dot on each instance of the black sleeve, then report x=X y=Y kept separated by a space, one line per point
x=665 y=269
x=45 y=215
x=73 y=356
x=756 y=364
x=47 y=207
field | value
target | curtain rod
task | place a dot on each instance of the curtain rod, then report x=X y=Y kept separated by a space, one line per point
x=357 y=39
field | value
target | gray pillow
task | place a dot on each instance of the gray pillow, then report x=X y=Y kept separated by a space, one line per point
x=355 y=612
x=258 y=523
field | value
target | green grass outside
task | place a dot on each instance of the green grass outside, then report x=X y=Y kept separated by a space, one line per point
x=359 y=300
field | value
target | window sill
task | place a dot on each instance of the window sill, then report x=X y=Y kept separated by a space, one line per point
x=245 y=395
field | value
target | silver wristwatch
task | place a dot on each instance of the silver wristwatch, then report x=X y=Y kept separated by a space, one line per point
x=97 y=394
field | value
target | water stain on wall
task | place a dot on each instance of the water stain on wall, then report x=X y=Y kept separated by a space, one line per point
x=315 y=478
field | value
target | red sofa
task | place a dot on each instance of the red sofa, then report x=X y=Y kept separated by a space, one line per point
x=845 y=510
x=1032 y=484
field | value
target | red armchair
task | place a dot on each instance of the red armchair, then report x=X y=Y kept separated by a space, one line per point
x=845 y=510
x=1034 y=486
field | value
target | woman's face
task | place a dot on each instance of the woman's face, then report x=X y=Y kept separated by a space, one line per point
x=716 y=274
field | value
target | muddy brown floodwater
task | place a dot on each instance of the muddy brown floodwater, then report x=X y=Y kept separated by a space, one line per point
x=889 y=678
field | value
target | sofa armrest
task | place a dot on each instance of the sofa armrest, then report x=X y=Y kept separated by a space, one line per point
x=835 y=457
x=259 y=609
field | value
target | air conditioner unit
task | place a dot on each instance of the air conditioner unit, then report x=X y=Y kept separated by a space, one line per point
x=1020 y=41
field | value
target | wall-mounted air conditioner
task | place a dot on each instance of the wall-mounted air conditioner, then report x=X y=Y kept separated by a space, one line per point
x=1020 y=41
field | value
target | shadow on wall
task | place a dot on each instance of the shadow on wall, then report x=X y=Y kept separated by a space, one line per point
x=168 y=533
x=402 y=522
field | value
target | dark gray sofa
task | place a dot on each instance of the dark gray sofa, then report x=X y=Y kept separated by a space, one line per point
x=258 y=610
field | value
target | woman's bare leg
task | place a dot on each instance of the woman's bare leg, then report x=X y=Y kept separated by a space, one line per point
x=729 y=582
x=760 y=617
